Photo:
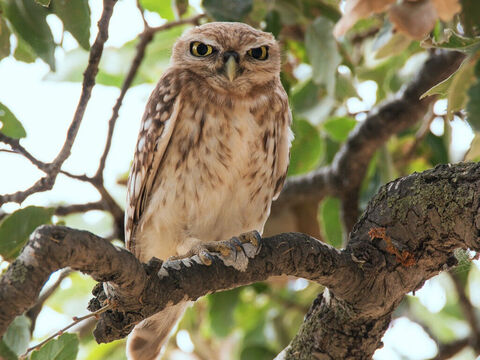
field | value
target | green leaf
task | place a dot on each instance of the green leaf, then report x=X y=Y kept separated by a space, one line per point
x=5 y=352
x=29 y=22
x=16 y=228
x=10 y=125
x=24 y=52
x=161 y=7
x=473 y=153
x=75 y=15
x=64 y=348
x=344 y=88
x=328 y=9
x=455 y=87
x=115 y=61
x=338 y=128
x=307 y=148
x=473 y=106
x=305 y=96
x=331 y=223
x=470 y=15
x=45 y=3
x=394 y=46
x=311 y=101
x=384 y=73
x=17 y=336
x=440 y=89
x=257 y=352
x=221 y=308
x=274 y=24
x=228 y=10
x=438 y=149
x=453 y=41
x=457 y=97
x=4 y=39
x=323 y=52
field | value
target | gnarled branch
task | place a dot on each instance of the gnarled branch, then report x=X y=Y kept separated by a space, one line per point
x=407 y=234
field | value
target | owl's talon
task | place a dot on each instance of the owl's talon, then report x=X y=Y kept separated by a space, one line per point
x=205 y=257
x=224 y=248
x=253 y=237
x=238 y=245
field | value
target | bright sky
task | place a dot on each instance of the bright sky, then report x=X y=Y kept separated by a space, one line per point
x=46 y=108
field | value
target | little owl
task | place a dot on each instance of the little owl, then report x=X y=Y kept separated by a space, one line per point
x=212 y=153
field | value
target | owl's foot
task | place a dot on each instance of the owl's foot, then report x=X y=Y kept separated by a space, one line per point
x=225 y=248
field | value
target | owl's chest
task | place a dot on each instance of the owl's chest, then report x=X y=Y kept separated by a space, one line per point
x=218 y=165
x=216 y=148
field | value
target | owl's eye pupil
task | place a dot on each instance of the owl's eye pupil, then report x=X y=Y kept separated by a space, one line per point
x=257 y=53
x=260 y=53
x=202 y=49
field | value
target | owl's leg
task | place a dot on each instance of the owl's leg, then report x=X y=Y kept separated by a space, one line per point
x=225 y=248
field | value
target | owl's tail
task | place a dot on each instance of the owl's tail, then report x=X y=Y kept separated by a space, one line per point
x=147 y=338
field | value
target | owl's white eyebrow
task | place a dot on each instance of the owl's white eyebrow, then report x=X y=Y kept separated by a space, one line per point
x=205 y=41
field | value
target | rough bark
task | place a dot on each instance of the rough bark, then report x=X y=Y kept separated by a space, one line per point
x=408 y=234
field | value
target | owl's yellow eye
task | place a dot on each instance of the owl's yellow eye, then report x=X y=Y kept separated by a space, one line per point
x=200 y=49
x=260 y=53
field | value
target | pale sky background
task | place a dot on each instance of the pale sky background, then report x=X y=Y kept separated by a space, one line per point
x=46 y=108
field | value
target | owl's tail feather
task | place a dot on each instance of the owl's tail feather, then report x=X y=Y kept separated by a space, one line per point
x=147 y=338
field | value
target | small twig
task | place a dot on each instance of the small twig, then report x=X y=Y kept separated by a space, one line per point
x=419 y=136
x=80 y=208
x=83 y=177
x=140 y=8
x=35 y=310
x=46 y=183
x=19 y=149
x=192 y=20
x=145 y=38
x=75 y=321
x=468 y=310
x=447 y=351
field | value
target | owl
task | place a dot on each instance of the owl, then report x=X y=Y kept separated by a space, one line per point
x=212 y=154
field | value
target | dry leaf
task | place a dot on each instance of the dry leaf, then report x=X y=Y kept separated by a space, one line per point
x=446 y=9
x=356 y=10
x=414 y=19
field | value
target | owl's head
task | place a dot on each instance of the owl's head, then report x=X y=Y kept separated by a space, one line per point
x=232 y=58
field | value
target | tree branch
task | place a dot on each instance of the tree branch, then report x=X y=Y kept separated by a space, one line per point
x=468 y=311
x=407 y=234
x=51 y=170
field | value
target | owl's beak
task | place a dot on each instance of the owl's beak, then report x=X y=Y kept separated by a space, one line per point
x=231 y=68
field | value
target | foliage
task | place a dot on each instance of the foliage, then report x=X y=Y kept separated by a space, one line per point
x=16 y=228
x=332 y=82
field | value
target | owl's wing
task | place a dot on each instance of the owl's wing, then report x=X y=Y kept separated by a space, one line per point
x=156 y=129
x=283 y=139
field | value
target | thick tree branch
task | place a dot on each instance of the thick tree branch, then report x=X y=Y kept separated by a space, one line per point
x=407 y=234
x=51 y=248
x=344 y=176
x=144 y=295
